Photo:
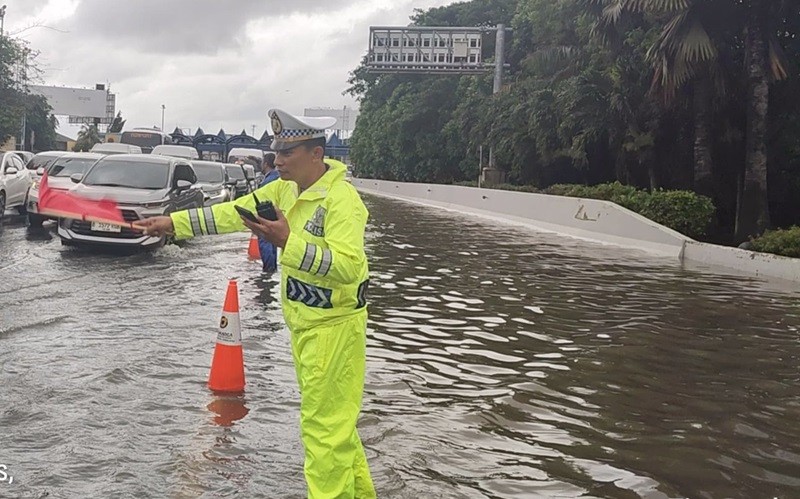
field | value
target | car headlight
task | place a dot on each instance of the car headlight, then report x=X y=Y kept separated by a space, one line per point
x=156 y=204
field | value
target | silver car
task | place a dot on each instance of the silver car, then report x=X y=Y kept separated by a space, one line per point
x=143 y=186
x=212 y=179
x=59 y=170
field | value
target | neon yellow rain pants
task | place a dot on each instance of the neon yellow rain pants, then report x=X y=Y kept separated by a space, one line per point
x=330 y=362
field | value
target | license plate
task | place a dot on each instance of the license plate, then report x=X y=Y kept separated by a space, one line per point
x=102 y=227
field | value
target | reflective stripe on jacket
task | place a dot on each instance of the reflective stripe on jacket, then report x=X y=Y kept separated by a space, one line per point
x=324 y=272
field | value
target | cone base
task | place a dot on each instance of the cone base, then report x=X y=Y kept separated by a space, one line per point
x=227 y=369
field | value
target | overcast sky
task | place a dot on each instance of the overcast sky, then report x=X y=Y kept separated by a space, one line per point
x=211 y=63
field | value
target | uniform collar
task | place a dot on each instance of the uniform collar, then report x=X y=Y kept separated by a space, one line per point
x=319 y=189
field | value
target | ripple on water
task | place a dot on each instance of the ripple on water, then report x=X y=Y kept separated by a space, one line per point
x=510 y=364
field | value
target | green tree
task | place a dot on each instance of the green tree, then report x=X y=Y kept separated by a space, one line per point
x=11 y=98
x=17 y=104
x=40 y=124
x=117 y=125
x=87 y=137
x=696 y=37
x=652 y=93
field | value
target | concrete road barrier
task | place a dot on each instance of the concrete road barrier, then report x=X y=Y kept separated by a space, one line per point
x=590 y=219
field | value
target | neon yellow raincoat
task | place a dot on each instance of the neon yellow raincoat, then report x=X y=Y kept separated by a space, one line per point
x=324 y=279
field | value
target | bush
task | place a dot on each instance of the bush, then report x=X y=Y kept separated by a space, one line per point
x=687 y=212
x=784 y=242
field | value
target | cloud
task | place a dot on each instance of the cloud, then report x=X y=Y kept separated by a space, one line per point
x=210 y=64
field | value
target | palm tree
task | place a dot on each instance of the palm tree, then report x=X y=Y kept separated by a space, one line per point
x=688 y=51
x=87 y=137
x=764 y=58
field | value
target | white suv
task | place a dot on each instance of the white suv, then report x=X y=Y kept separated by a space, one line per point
x=14 y=183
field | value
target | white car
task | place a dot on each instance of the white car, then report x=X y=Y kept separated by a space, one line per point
x=115 y=148
x=14 y=182
x=59 y=171
x=26 y=157
x=186 y=152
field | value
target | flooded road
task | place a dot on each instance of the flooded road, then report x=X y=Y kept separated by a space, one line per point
x=501 y=363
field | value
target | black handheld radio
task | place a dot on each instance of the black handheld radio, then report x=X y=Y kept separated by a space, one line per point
x=265 y=209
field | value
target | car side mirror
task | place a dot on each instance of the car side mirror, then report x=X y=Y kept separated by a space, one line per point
x=40 y=171
x=182 y=185
x=11 y=170
x=76 y=177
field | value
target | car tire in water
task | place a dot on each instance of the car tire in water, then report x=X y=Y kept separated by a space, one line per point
x=2 y=203
x=22 y=210
x=35 y=220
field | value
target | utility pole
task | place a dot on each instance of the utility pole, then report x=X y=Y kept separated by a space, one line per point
x=163 y=107
x=2 y=20
x=491 y=175
x=253 y=133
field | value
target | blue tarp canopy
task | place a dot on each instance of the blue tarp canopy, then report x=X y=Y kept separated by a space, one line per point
x=210 y=147
x=335 y=146
x=246 y=141
x=179 y=138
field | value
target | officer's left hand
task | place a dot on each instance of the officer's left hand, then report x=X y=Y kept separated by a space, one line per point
x=276 y=232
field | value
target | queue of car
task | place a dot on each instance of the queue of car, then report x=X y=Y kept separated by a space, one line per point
x=142 y=185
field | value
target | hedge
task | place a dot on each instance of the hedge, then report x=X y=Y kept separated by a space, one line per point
x=784 y=242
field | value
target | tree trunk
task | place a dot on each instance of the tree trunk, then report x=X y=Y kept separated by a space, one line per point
x=752 y=216
x=703 y=167
x=651 y=173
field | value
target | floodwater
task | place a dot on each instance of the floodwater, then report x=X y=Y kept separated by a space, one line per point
x=502 y=363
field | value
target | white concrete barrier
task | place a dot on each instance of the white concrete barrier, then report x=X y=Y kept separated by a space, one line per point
x=750 y=263
x=591 y=219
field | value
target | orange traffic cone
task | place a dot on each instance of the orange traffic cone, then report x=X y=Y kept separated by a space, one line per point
x=227 y=366
x=252 y=250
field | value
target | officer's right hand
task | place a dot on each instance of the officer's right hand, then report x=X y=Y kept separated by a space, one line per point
x=156 y=226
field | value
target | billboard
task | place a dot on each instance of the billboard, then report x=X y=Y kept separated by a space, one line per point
x=74 y=101
x=424 y=49
x=345 y=116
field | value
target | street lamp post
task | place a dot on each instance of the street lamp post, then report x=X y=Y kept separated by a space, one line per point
x=2 y=20
x=163 y=107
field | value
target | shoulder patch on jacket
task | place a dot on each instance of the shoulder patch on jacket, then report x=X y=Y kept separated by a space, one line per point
x=316 y=225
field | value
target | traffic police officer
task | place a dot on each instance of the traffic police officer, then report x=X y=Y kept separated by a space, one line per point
x=320 y=230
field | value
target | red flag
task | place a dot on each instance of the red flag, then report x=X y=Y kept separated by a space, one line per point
x=63 y=204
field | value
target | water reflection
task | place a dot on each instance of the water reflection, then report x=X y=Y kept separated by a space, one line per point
x=228 y=409
x=573 y=369
x=501 y=363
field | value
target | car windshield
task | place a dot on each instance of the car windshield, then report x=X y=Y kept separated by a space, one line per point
x=138 y=175
x=40 y=162
x=208 y=173
x=235 y=172
x=64 y=167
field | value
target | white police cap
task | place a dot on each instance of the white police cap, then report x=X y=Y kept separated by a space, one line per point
x=291 y=130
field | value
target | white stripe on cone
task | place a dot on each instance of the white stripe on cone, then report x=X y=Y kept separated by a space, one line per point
x=230 y=330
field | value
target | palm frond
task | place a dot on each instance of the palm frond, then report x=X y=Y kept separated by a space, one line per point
x=548 y=57
x=778 y=62
x=613 y=11
x=695 y=45
x=658 y=5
